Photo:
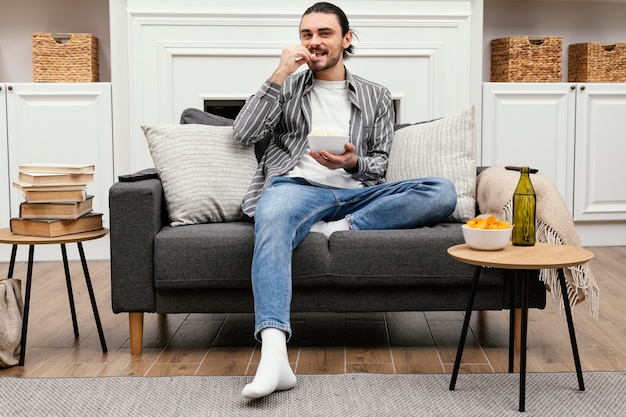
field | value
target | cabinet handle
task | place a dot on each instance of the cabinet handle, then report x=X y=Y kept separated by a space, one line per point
x=582 y=88
x=10 y=88
x=572 y=87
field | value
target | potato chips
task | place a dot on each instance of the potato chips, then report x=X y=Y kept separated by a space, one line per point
x=487 y=223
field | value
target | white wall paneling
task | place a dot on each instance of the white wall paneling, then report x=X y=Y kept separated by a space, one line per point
x=5 y=201
x=176 y=58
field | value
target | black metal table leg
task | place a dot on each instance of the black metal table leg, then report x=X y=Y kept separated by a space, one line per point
x=512 y=321
x=524 y=335
x=29 y=280
x=92 y=297
x=12 y=262
x=70 y=292
x=572 y=334
x=466 y=321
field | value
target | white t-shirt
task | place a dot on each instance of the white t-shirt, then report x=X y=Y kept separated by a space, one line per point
x=330 y=109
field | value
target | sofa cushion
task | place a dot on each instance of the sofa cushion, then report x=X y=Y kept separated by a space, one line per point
x=188 y=257
x=401 y=256
x=219 y=255
x=441 y=148
x=204 y=171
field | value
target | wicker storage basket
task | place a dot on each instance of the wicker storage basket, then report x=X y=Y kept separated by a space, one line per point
x=65 y=57
x=594 y=62
x=526 y=59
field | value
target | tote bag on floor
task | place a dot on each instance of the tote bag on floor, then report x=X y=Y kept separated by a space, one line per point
x=11 y=313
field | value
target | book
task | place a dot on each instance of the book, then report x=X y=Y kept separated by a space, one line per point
x=52 y=196
x=51 y=178
x=58 y=168
x=56 y=227
x=24 y=186
x=60 y=210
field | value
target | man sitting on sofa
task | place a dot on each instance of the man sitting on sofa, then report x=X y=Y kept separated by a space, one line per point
x=296 y=189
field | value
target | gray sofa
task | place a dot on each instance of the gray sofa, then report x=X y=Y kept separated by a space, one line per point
x=156 y=268
x=205 y=268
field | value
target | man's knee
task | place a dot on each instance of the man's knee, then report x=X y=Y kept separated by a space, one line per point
x=447 y=187
x=448 y=194
x=277 y=203
x=268 y=210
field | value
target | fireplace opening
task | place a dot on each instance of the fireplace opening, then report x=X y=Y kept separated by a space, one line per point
x=224 y=108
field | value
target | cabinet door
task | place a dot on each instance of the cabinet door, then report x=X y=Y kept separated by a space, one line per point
x=531 y=124
x=61 y=123
x=5 y=212
x=600 y=192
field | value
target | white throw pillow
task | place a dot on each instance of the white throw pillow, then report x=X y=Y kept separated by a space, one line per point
x=441 y=148
x=204 y=171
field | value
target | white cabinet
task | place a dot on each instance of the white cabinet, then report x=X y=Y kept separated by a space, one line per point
x=574 y=133
x=531 y=124
x=599 y=178
x=57 y=123
x=582 y=150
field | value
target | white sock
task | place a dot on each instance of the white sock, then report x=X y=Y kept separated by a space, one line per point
x=328 y=228
x=274 y=372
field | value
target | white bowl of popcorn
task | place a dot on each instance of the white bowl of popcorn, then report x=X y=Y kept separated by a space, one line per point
x=319 y=140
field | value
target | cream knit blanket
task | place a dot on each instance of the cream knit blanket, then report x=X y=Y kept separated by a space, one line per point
x=494 y=195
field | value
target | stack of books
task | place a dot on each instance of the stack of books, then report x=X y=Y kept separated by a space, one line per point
x=56 y=200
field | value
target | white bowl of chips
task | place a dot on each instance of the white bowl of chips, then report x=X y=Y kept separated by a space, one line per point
x=487 y=233
x=327 y=141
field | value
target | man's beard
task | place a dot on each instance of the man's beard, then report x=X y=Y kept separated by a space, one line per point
x=331 y=61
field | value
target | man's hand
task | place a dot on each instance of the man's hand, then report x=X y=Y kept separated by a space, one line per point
x=291 y=59
x=347 y=160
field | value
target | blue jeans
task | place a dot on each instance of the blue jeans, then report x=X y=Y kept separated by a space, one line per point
x=290 y=206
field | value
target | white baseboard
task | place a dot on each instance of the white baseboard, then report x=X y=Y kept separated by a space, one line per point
x=602 y=233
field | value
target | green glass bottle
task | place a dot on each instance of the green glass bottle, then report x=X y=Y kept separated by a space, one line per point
x=524 y=206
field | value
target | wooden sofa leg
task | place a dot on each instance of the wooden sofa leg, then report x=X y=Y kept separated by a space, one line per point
x=135 y=324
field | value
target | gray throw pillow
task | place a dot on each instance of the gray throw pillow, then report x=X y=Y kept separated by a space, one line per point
x=204 y=171
x=193 y=116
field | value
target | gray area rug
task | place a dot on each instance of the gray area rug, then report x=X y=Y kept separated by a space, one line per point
x=548 y=394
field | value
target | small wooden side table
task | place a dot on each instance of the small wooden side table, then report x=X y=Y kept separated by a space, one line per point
x=8 y=238
x=524 y=259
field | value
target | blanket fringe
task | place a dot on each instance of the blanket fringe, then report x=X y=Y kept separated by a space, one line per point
x=576 y=276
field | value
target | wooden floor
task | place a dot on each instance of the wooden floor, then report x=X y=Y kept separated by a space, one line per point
x=221 y=344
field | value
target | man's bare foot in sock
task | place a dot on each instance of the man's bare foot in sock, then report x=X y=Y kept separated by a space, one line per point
x=274 y=372
x=328 y=228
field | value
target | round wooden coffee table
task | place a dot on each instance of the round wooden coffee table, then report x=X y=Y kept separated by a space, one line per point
x=7 y=237
x=524 y=259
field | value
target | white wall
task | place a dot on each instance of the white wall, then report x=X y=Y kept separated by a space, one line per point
x=19 y=19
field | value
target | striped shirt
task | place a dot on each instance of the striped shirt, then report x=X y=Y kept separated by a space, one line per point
x=284 y=115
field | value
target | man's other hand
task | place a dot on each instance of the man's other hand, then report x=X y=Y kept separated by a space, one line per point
x=347 y=160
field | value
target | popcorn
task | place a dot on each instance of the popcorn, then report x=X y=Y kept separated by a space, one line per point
x=322 y=132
